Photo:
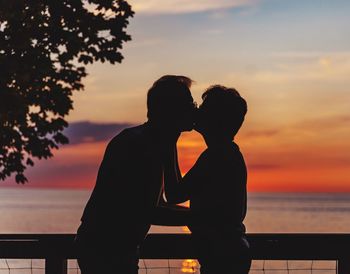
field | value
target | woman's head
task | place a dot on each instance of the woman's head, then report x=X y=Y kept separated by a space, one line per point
x=221 y=112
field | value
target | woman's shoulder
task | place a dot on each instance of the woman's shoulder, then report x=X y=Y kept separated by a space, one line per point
x=202 y=163
x=224 y=151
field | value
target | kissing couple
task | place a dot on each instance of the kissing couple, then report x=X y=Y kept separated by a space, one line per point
x=139 y=183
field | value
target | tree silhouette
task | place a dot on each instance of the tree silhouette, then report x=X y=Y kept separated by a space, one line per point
x=45 y=46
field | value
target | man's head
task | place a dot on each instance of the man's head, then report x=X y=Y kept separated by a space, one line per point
x=170 y=103
x=222 y=111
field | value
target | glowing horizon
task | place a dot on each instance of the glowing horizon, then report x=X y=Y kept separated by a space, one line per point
x=76 y=165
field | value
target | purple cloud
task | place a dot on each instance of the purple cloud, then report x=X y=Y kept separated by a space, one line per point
x=88 y=132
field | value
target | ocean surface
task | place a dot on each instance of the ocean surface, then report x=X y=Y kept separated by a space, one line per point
x=59 y=211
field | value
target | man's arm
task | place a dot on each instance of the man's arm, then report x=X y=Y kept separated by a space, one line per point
x=171 y=215
x=176 y=189
x=177 y=167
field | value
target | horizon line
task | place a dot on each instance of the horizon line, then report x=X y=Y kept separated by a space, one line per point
x=250 y=191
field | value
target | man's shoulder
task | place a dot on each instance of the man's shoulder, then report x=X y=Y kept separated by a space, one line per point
x=129 y=135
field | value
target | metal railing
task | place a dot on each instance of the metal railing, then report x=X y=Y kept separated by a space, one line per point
x=56 y=249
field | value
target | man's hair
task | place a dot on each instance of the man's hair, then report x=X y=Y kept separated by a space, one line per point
x=165 y=93
x=224 y=106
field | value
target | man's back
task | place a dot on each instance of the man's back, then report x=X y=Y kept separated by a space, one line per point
x=127 y=187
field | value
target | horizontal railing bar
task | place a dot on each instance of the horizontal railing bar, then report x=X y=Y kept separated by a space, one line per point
x=264 y=246
x=70 y=236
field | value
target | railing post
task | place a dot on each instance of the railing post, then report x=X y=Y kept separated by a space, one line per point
x=55 y=265
x=343 y=266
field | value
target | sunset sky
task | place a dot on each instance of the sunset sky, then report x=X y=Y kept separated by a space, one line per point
x=289 y=59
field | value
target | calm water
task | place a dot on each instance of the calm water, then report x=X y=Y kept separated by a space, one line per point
x=59 y=211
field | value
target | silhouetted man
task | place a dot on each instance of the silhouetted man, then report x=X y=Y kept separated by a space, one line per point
x=129 y=184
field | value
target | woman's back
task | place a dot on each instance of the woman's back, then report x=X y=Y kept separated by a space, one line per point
x=218 y=199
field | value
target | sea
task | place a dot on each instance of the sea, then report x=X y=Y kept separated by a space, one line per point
x=24 y=210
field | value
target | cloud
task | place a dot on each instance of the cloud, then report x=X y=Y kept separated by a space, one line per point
x=325 y=123
x=261 y=133
x=186 y=6
x=257 y=167
x=88 y=132
x=295 y=69
x=302 y=66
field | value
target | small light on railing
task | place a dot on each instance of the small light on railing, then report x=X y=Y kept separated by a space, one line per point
x=189 y=266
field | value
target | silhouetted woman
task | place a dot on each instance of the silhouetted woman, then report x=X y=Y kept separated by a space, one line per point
x=215 y=185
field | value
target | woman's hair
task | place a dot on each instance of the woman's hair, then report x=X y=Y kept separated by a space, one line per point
x=223 y=107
